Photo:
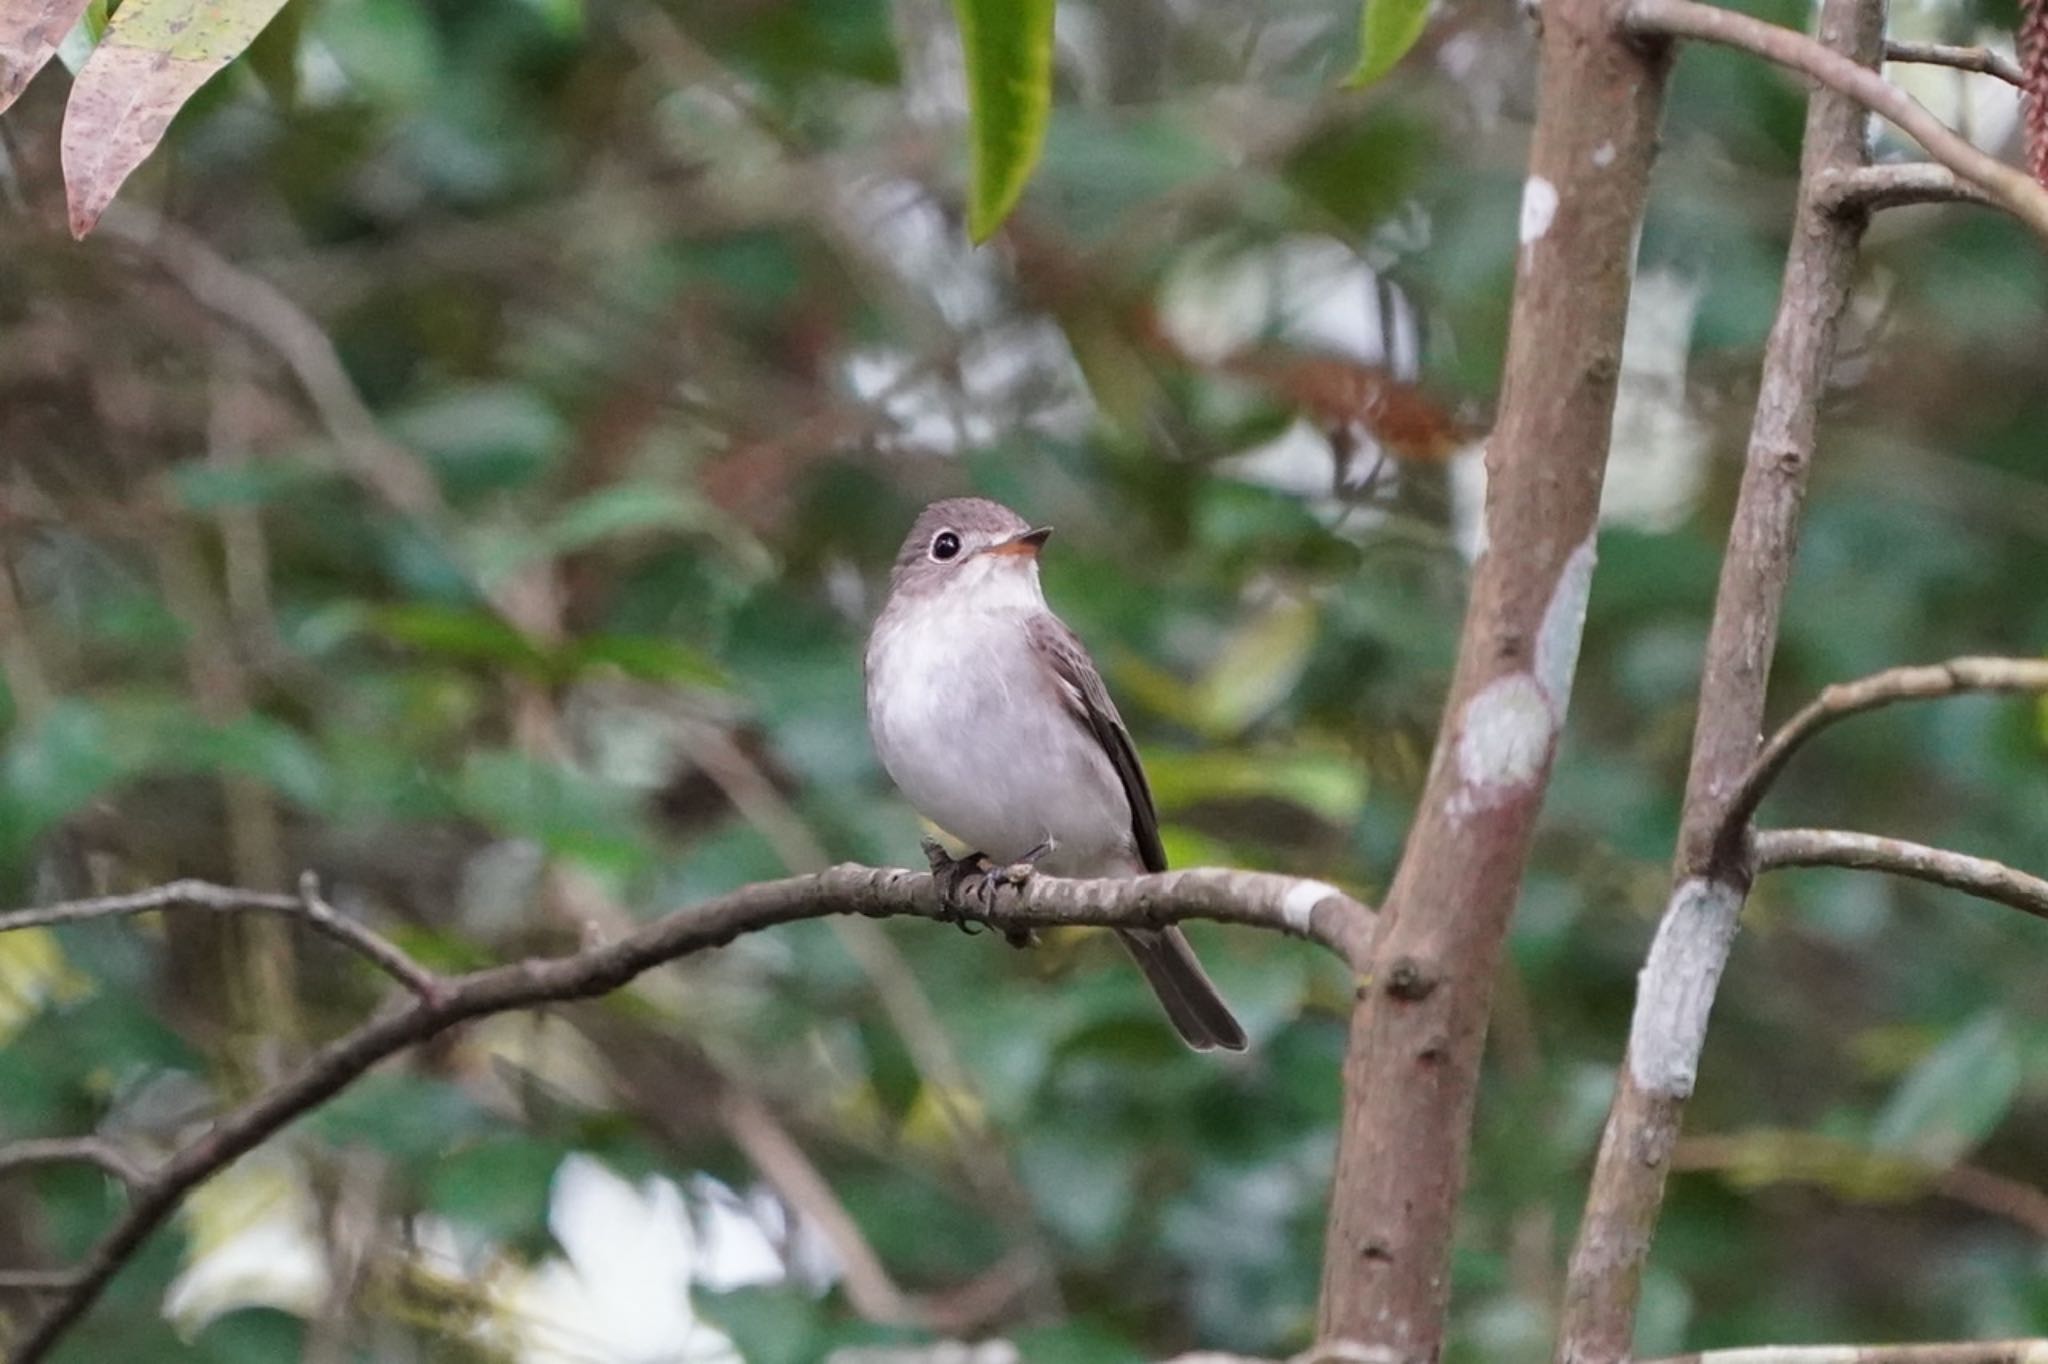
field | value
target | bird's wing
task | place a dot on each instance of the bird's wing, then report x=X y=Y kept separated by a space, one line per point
x=1080 y=685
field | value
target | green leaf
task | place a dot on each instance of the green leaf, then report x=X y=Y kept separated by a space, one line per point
x=649 y=659
x=1327 y=784
x=204 y=486
x=1952 y=1100
x=415 y=1121
x=769 y=1326
x=274 y=56
x=1009 y=97
x=1388 y=30
x=498 y=1186
x=559 y=808
x=620 y=510
x=1257 y=667
x=454 y=632
x=53 y=769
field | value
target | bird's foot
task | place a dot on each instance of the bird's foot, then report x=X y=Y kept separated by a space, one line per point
x=968 y=885
x=962 y=883
x=1016 y=874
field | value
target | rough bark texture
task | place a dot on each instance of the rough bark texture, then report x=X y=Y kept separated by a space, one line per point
x=1422 y=1008
x=1709 y=884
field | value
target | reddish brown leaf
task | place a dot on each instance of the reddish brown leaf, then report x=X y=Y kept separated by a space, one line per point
x=1334 y=392
x=155 y=55
x=1407 y=422
x=29 y=33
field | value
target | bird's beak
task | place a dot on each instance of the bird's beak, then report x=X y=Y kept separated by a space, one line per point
x=1026 y=543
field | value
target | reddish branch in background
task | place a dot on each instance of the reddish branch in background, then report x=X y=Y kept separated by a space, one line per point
x=2033 y=45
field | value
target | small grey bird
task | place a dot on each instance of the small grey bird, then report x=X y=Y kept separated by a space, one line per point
x=993 y=721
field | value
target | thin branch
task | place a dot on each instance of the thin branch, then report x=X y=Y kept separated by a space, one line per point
x=19 y=1155
x=1979 y=876
x=307 y=906
x=1768 y=1156
x=1675 y=993
x=1899 y=184
x=1305 y=909
x=1982 y=60
x=869 y=1288
x=41 y=1281
x=2009 y=185
x=1956 y=677
x=1957 y=1352
x=389 y=470
x=1323 y=1352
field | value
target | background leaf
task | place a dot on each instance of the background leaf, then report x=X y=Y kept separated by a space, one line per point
x=1008 y=45
x=30 y=31
x=1387 y=29
x=1952 y=1100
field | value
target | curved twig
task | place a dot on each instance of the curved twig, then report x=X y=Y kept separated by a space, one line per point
x=1953 y=678
x=307 y=906
x=1307 y=909
x=21 y=1155
x=1981 y=60
x=2009 y=185
x=1898 y=184
x=1979 y=876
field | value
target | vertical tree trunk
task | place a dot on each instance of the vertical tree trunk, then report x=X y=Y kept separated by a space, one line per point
x=1421 y=1015
x=1710 y=877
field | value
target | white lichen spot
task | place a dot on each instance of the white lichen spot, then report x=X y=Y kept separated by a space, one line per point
x=1504 y=735
x=1603 y=156
x=1300 y=905
x=1564 y=622
x=1539 y=208
x=1675 y=989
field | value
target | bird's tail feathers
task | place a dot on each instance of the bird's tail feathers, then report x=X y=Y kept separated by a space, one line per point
x=1189 y=997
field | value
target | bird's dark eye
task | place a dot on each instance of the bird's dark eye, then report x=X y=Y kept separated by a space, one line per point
x=945 y=545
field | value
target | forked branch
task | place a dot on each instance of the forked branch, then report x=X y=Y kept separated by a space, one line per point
x=1953 y=678
x=1981 y=60
x=1304 y=909
x=2009 y=185
x=308 y=907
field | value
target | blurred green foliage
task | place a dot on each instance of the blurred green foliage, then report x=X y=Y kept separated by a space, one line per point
x=671 y=303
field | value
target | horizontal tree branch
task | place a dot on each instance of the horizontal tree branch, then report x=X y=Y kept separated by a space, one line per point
x=1768 y=1156
x=307 y=906
x=1955 y=1352
x=41 y=1281
x=1982 y=60
x=1307 y=909
x=22 y=1155
x=1953 y=678
x=1897 y=184
x=1979 y=876
x=2009 y=185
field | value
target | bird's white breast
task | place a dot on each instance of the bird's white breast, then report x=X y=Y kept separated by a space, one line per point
x=973 y=729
